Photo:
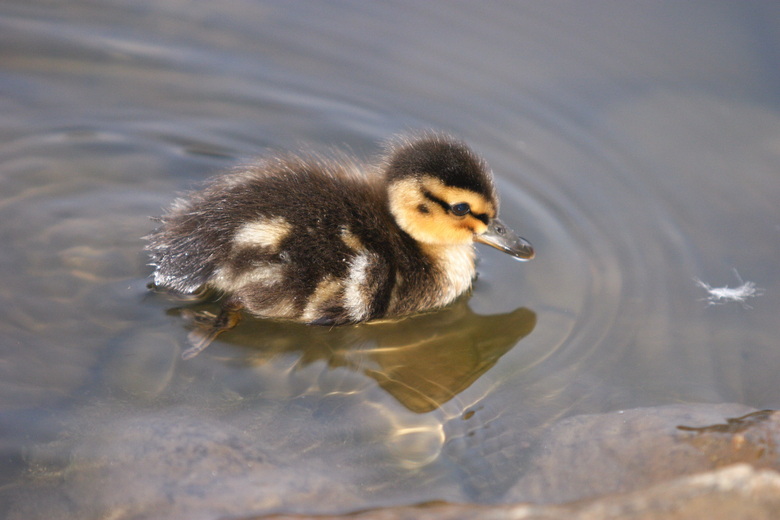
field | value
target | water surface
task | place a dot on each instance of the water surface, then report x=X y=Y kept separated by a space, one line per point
x=635 y=145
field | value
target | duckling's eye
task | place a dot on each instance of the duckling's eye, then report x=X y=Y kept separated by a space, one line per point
x=460 y=209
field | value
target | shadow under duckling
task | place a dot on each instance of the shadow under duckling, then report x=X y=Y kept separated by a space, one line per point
x=332 y=242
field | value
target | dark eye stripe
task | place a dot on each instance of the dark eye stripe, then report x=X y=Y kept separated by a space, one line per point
x=483 y=217
x=433 y=198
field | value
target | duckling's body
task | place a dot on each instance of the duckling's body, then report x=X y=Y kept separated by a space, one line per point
x=331 y=242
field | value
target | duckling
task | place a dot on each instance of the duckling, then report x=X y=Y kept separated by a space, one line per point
x=333 y=242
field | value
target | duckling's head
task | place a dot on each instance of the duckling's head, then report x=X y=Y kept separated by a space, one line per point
x=440 y=192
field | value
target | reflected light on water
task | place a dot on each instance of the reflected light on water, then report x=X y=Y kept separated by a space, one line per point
x=416 y=446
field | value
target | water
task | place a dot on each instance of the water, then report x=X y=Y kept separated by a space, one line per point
x=635 y=145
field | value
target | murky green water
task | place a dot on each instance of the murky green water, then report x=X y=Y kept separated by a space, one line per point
x=637 y=146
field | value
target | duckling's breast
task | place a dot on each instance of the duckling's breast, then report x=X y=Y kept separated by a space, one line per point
x=456 y=266
x=443 y=274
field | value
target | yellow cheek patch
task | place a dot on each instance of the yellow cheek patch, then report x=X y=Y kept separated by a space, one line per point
x=436 y=225
x=476 y=225
x=472 y=225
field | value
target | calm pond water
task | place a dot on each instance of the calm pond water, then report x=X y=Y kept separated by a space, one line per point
x=635 y=144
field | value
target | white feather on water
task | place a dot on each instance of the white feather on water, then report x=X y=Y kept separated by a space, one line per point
x=723 y=295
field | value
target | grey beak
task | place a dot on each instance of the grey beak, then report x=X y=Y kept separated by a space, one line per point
x=501 y=237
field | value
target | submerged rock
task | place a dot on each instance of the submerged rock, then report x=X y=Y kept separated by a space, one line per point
x=158 y=466
x=738 y=491
x=670 y=462
x=592 y=455
x=679 y=462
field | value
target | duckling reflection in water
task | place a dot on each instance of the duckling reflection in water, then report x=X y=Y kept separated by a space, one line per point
x=328 y=242
x=423 y=361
